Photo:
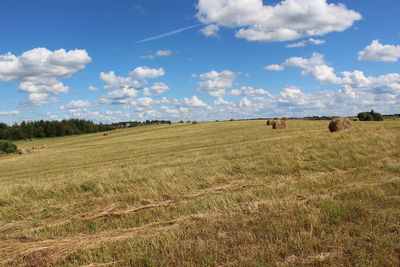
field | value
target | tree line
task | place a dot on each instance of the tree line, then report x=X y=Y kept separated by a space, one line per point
x=130 y=124
x=37 y=129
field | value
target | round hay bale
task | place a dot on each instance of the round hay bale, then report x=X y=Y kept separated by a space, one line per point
x=169 y=123
x=232 y=119
x=276 y=119
x=105 y=134
x=34 y=147
x=278 y=125
x=44 y=146
x=269 y=122
x=356 y=119
x=194 y=122
x=189 y=122
x=31 y=139
x=340 y=124
x=22 y=151
x=26 y=139
x=216 y=120
x=284 y=119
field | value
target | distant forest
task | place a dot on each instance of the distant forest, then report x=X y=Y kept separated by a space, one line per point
x=42 y=128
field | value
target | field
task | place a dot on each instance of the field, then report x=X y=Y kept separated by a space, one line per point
x=213 y=194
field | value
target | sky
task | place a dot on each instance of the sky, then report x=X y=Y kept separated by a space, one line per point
x=136 y=60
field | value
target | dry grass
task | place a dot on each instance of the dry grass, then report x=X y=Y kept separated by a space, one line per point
x=217 y=194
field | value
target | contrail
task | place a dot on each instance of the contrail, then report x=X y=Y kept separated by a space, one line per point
x=168 y=33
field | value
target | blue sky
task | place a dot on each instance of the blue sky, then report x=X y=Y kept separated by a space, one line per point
x=208 y=59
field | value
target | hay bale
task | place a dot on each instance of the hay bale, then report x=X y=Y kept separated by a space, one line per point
x=284 y=119
x=189 y=122
x=269 y=122
x=26 y=139
x=216 y=120
x=169 y=123
x=31 y=139
x=278 y=125
x=105 y=134
x=22 y=151
x=340 y=124
x=276 y=119
x=232 y=119
x=194 y=122
x=356 y=119
x=34 y=147
x=44 y=146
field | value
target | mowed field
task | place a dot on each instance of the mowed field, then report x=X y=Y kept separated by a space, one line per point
x=213 y=194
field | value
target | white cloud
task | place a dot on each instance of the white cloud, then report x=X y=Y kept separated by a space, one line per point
x=305 y=42
x=157 y=88
x=162 y=101
x=221 y=101
x=42 y=63
x=274 y=67
x=378 y=52
x=37 y=71
x=299 y=44
x=40 y=99
x=210 y=30
x=125 y=89
x=118 y=96
x=250 y=91
x=288 y=20
x=9 y=113
x=193 y=102
x=235 y=92
x=316 y=41
x=117 y=82
x=158 y=53
x=357 y=90
x=92 y=88
x=74 y=104
x=314 y=66
x=244 y=102
x=215 y=83
x=142 y=73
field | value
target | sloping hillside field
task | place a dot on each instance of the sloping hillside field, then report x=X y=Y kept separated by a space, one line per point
x=229 y=193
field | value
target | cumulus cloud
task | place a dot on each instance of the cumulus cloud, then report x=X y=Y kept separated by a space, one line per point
x=9 y=113
x=288 y=20
x=193 y=102
x=40 y=99
x=142 y=73
x=250 y=91
x=314 y=66
x=215 y=83
x=274 y=67
x=37 y=71
x=378 y=52
x=125 y=89
x=118 y=96
x=210 y=30
x=235 y=92
x=117 y=82
x=92 y=88
x=74 y=104
x=357 y=89
x=156 y=90
x=221 y=101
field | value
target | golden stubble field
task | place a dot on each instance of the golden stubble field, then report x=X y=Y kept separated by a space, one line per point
x=213 y=194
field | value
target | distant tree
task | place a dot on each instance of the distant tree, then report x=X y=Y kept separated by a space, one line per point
x=370 y=116
x=7 y=147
